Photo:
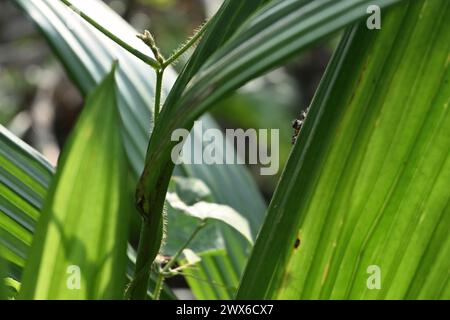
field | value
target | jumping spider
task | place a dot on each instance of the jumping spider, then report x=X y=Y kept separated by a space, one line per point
x=297 y=124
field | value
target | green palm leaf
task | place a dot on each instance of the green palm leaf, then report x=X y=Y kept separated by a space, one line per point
x=366 y=186
x=25 y=176
x=74 y=237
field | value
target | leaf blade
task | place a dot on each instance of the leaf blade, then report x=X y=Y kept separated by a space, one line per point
x=74 y=229
x=351 y=190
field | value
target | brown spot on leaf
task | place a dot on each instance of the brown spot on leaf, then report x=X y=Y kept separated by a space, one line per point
x=297 y=243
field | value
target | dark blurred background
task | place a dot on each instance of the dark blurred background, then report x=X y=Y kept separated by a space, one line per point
x=39 y=104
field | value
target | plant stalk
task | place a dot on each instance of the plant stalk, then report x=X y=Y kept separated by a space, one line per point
x=180 y=51
x=152 y=230
x=150 y=202
x=159 y=81
x=139 y=285
x=147 y=59
x=173 y=260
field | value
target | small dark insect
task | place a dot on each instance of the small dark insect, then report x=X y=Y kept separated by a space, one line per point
x=297 y=243
x=297 y=124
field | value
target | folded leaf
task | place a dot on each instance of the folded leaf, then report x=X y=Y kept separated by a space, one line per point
x=205 y=211
x=79 y=248
x=188 y=203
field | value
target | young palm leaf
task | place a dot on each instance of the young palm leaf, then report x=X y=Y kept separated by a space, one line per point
x=79 y=248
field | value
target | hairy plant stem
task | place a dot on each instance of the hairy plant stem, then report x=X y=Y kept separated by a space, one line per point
x=159 y=82
x=147 y=59
x=150 y=194
x=180 y=51
x=152 y=229
x=172 y=261
x=152 y=232
x=139 y=286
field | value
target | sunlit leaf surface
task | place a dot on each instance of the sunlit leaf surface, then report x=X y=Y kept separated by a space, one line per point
x=365 y=192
